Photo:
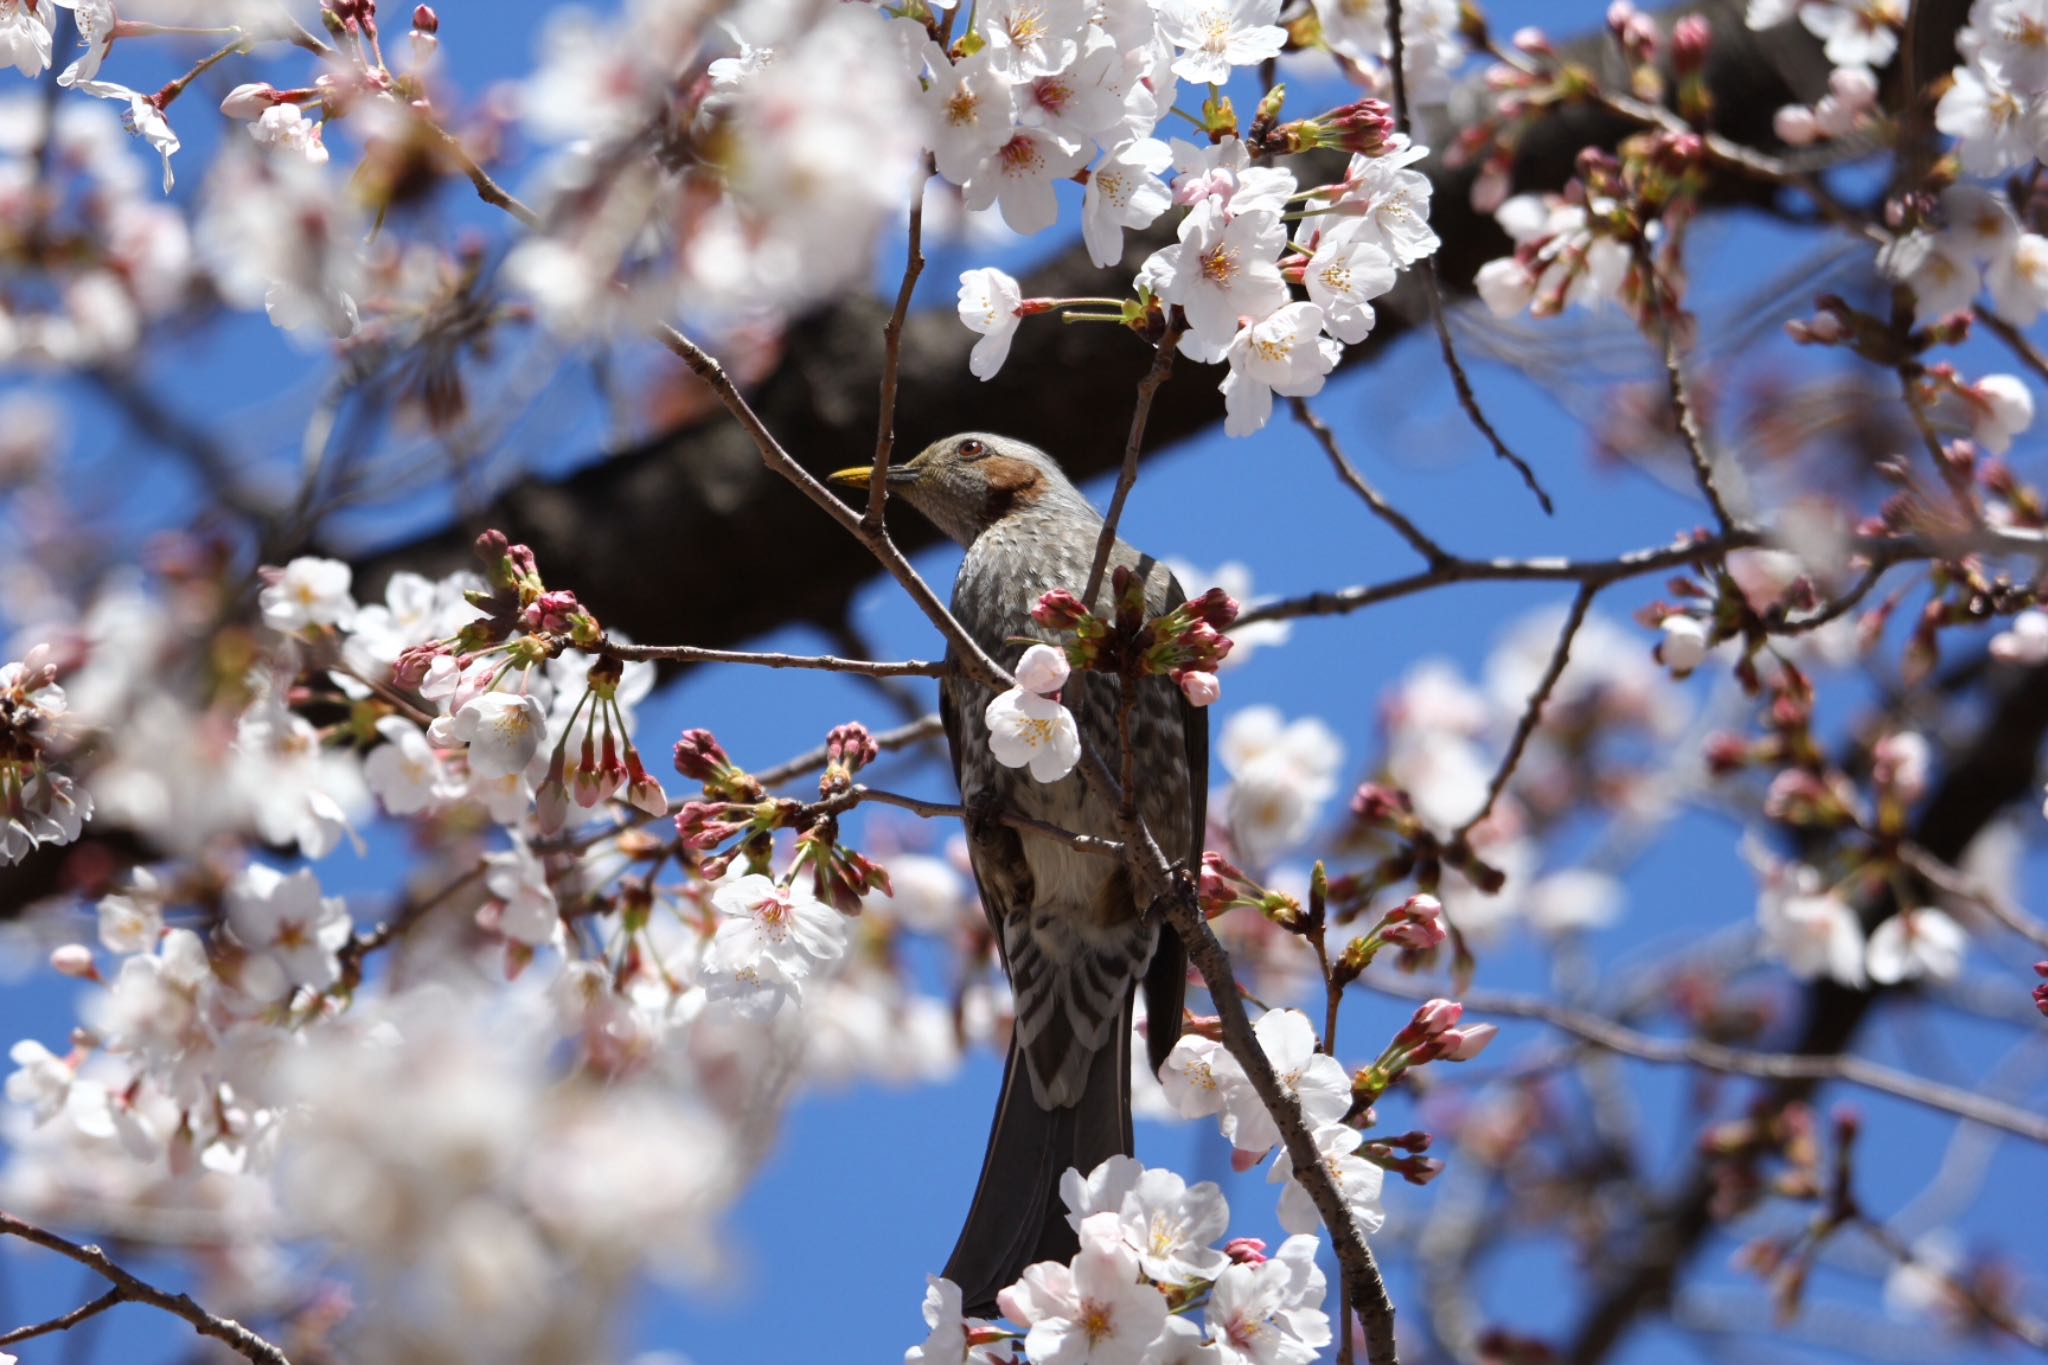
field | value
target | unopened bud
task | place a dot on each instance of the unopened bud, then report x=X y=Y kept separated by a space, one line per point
x=424 y=20
x=74 y=960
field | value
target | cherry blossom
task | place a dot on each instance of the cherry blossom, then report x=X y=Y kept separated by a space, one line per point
x=1124 y=191
x=2025 y=641
x=1813 y=932
x=989 y=302
x=1684 y=646
x=504 y=730
x=1018 y=176
x=773 y=938
x=1200 y=1076
x=1092 y=1311
x=1282 y=353
x=1342 y=277
x=1316 y=1079
x=973 y=110
x=1025 y=729
x=26 y=33
x=292 y=933
x=1030 y=38
x=41 y=1082
x=1913 y=944
x=950 y=1342
x=95 y=20
x=1222 y=270
x=308 y=592
x=1270 y=1313
x=144 y=118
x=1215 y=35
x=519 y=880
x=1170 y=1225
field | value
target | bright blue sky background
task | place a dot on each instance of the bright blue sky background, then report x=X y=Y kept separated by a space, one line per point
x=864 y=1192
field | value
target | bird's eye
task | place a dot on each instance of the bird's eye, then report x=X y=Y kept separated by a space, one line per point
x=972 y=450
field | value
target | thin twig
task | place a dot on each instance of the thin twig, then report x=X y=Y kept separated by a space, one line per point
x=2016 y=341
x=1425 y=270
x=1836 y=609
x=1878 y=550
x=2021 y=1328
x=858 y=795
x=892 y=350
x=1162 y=365
x=65 y=1322
x=1532 y=714
x=828 y=663
x=1953 y=881
x=1682 y=410
x=1418 y=540
x=1620 y=1038
x=929 y=727
x=238 y=1338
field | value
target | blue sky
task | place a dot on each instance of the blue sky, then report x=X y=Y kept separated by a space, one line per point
x=863 y=1193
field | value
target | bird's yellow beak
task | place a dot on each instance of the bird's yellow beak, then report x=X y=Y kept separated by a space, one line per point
x=856 y=477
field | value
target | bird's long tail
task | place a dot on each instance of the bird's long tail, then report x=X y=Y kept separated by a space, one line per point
x=1017 y=1217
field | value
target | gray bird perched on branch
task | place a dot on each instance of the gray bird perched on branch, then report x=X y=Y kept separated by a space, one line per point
x=1073 y=938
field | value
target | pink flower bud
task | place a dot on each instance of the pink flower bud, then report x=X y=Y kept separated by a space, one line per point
x=247 y=102
x=1690 y=38
x=1201 y=689
x=700 y=757
x=1463 y=1044
x=1246 y=1250
x=74 y=960
x=1059 y=610
x=852 y=747
x=641 y=789
x=1434 y=1017
x=1042 y=670
x=424 y=20
x=1418 y=924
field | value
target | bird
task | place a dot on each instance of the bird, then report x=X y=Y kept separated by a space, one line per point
x=1073 y=939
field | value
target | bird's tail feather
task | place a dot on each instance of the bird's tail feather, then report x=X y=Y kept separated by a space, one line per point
x=1018 y=1218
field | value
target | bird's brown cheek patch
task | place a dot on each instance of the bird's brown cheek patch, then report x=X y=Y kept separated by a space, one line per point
x=1011 y=484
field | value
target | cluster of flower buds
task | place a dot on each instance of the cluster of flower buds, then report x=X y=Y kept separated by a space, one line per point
x=735 y=804
x=1383 y=814
x=1434 y=1034
x=1186 y=644
x=1364 y=127
x=603 y=767
x=1403 y=1156
x=1414 y=926
x=841 y=877
x=1224 y=887
x=1740 y=1148
x=848 y=749
x=701 y=758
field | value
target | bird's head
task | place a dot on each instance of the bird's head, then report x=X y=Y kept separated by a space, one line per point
x=967 y=483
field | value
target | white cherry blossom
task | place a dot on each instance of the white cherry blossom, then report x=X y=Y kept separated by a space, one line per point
x=309 y=592
x=989 y=302
x=773 y=938
x=1270 y=1313
x=2018 y=280
x=1285 y=353
x=1094 y=1309
x=41 y=1081
x=973 y=110
x=1215 y=35
x=1343 y=276
x=1124 y=191
x=1030 y=38
x=1170 y=1225
x=1318 y=1080
x=1043 y=669
x=519 y=880
x=406 y=773
x=1222 y=270
x=504 y=730
x=1019 y=175
x=1025 y=729
x=948 y=1342
x=26 y=33
x=143 y=117
x=1359 y=1181
x=1916 y=943
x=292 y=933
x=1199 y=1076
x=1812 y=931
x=95 y=19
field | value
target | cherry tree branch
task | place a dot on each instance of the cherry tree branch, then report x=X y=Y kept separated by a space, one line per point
x=1663 y=302
x=236 y=1337
x=1852 y=1070
x=1881 y=551
x=1953 y=881
x=66 y=1321
x=892 y=355
x=1162 y=366
x=1418 y=539
x=858 y=795
x=1532 y=714
x=888 y=741
x=828 y=663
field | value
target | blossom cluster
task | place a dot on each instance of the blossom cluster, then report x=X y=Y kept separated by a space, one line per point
x=1147 y=1261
